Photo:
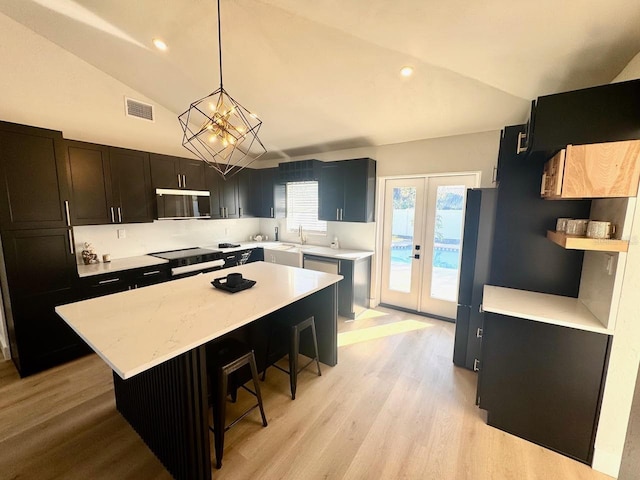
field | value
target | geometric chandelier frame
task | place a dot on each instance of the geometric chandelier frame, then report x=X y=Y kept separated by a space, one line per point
x=220 y=131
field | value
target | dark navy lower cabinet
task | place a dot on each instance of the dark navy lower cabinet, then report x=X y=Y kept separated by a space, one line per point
x=543 y=382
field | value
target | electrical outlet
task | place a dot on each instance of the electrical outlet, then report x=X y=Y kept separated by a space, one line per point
x=610 y=264
x=122 y=233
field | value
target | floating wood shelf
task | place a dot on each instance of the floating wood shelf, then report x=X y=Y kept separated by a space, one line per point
x=574 y=242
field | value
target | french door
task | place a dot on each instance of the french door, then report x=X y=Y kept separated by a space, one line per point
x=422 y=237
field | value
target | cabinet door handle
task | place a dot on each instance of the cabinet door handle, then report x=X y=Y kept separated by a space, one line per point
x=179 y=181
x=111 y=280
x=543 y=187
x=341 y=211
x=72 y=250
x=494 y=175
x=271 y=212
x=119 y=215
x=479 y=333
x=519 y=147
x=151 y=273
x=239 y=211
x=113 y=218
x=337 y=214
x=66 y=211
x=476 y=365
x=184 y=181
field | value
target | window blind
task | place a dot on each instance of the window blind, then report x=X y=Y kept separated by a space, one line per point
x=302 y=207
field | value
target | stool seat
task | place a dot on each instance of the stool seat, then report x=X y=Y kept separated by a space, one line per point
x=295 y=328
x=223 y=359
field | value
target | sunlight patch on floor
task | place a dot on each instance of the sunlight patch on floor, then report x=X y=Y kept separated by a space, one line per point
x=369 y=313
x=379 y=331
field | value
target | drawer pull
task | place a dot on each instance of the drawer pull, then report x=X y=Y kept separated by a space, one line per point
x=151 y=273
x=111 y=280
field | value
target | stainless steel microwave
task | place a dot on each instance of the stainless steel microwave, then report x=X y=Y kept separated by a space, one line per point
x=178 y=204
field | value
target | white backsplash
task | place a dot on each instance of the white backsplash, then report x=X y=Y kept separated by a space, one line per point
x=143 y=238
x=357 y=236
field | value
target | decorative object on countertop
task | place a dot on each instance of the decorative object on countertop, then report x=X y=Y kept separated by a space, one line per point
x=233 y=283
x=600 y=229
x=257 y=238
x=89 y=255
x=220 y=131
x=276 y=237
x=577 y=227
x=561 y=224
x=335 y=244
x=106 y=258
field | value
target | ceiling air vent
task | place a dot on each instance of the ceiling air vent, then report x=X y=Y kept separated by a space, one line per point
x=134 y=108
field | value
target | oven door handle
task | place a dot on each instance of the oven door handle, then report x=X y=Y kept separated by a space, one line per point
x=194 y=267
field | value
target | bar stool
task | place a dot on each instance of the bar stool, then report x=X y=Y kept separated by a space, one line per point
x=223 y=359
x=295 y=329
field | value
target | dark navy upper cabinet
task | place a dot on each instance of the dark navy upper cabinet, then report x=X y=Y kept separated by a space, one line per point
x=607 y=113
x=346 y=190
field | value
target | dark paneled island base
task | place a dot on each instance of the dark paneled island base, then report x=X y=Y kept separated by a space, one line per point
x=167 y=404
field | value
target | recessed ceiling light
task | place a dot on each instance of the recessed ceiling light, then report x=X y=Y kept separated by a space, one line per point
x=160 y=45
x=406 y=71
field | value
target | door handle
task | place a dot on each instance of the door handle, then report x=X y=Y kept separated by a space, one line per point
x=71 y=247
x=66 y=211
x=119 y=215
x=239 y=211
x=519 y=148
x=113 y=218
x=271 y=212
x=184 y=181
x=179 y=181
x=337 y=214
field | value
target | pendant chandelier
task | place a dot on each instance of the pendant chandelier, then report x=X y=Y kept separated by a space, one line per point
x=220 y=131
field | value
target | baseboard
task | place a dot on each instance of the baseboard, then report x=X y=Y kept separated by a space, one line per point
x=606 y=462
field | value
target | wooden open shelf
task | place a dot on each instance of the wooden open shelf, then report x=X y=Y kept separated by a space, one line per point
x=574 y=242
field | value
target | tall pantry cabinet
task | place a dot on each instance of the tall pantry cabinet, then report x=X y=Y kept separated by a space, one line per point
x=37 y=259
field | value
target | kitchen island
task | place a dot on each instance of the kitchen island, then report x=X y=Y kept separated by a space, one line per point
x=154 y=340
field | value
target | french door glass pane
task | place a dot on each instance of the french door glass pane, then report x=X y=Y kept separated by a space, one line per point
x=446 y=242
x=402 y=232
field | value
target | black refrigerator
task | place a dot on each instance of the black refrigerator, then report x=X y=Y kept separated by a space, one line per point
x=475 y=266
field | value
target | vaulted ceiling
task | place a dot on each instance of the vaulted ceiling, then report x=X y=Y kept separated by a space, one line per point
x=324 y=74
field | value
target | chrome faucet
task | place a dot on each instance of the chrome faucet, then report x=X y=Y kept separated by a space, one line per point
x=300 y=234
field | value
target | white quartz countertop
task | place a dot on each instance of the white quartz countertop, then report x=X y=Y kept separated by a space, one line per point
x=340 y=253
x=119 y=264
x=541 y=307
x=138 y=329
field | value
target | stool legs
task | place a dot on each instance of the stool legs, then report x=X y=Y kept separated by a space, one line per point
x=294 y=350
x=220 y=406
x=256 y=385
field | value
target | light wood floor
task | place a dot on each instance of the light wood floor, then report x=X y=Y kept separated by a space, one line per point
x=395 y=407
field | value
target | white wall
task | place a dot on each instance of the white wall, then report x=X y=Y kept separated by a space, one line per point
x=43 y=85
x=625 y=350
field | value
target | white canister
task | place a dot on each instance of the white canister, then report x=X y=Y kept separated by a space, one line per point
x=577 y=227
x=561 y=224
x=600 y=229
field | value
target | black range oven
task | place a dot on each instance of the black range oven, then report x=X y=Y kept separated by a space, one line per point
x=191 y=261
